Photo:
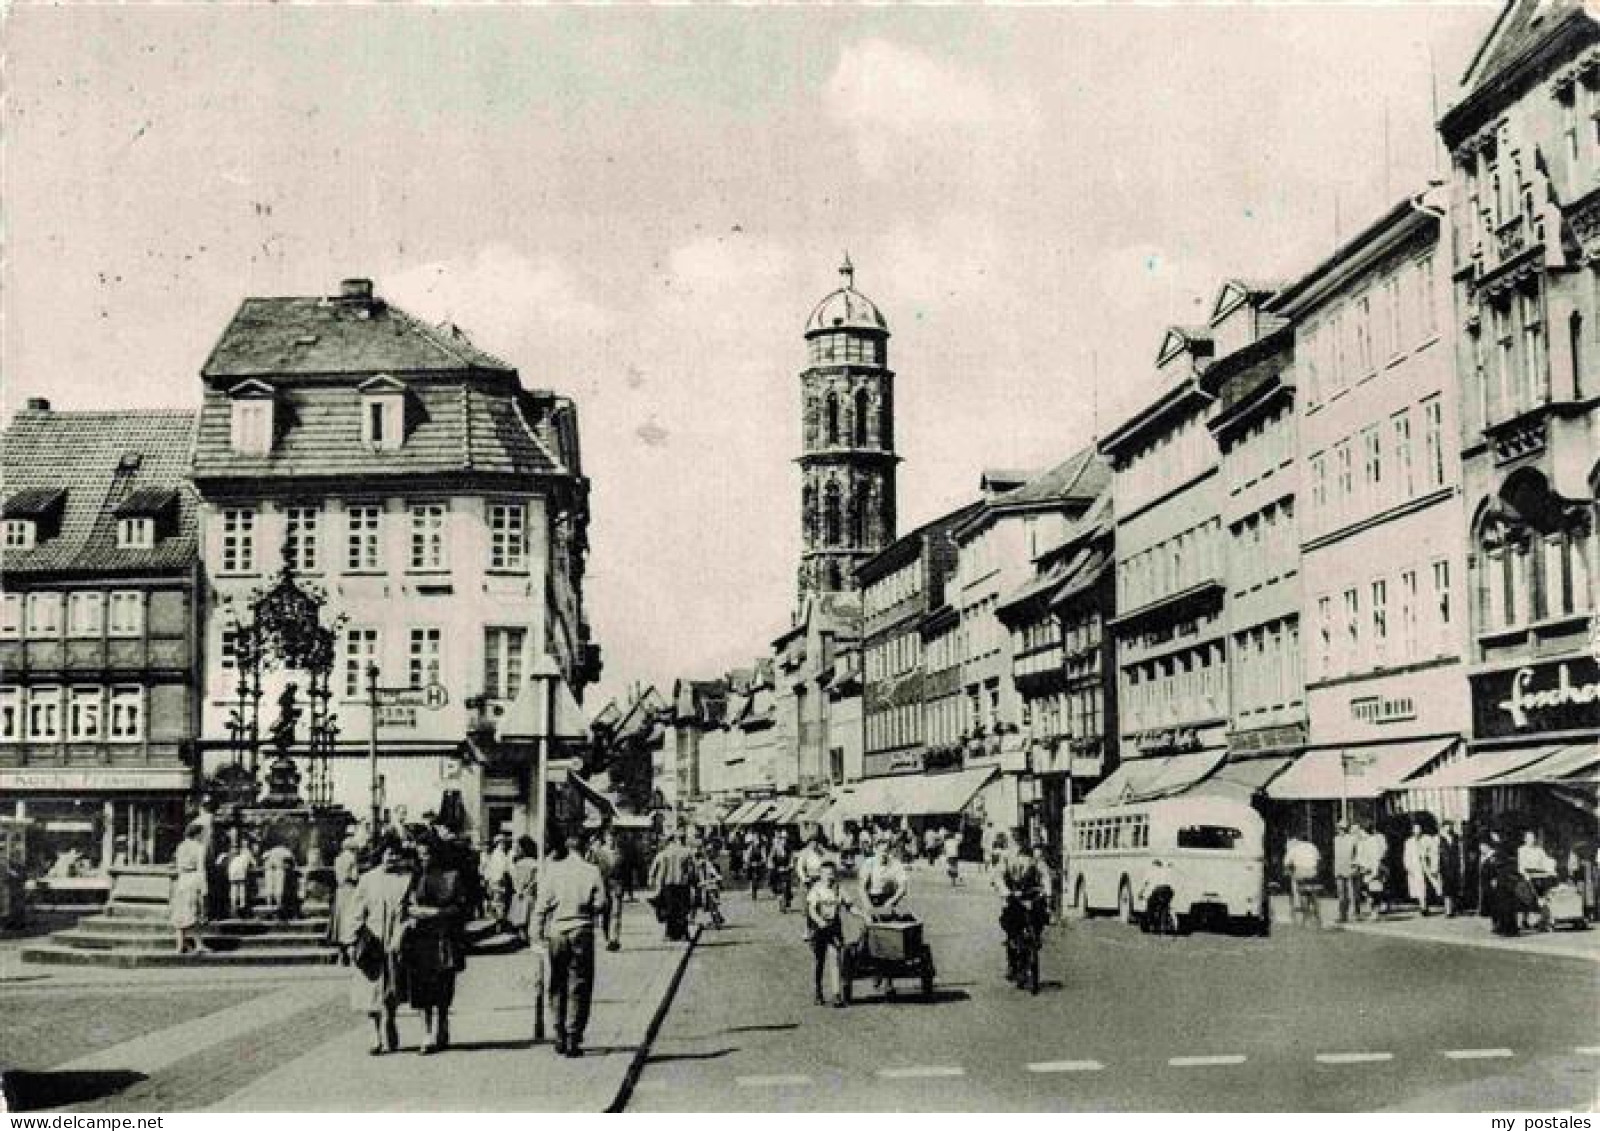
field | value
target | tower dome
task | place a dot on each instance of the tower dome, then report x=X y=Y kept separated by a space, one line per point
x=846 y=308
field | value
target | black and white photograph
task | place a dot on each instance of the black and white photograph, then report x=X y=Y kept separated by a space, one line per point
x=852 y=558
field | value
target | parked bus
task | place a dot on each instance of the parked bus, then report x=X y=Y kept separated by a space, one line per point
x=1210 y=849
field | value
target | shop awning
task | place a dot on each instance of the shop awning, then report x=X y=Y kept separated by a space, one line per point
x=759 y=812
x=737 y=816
x=1477 y=769
x=1242 y=780
x=1563 y=764
x=592 y=794
x=787 y=807
x=913 y=795
x=1355 y=772
x=1146 y=779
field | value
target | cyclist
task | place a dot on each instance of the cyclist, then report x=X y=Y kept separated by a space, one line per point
x=780 y=870
x=1024 y=888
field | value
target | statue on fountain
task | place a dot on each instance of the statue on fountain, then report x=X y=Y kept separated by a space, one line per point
x=283 y=777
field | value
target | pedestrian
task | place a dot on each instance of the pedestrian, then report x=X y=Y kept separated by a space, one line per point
x=1372 y=855
x=382 y=896
x=672 y=877
x=342 y=914
x=708 y=886
x=241 y=864
x=825 y=904
x=1301 y=863
x=603 y=855
x=1539 y=872
x=1490 y=848
x=952 y=857
x=1416 y=874
x=497 y=881
x=885 y=883
x=187 y=903
x=277 y=864
x=572 y=895
x=755 y=865
x=1450 y=868
x=1344 y=873
x=1428 y=858
x=434 y=952
x=997 y=851
x=524 y=887
x=1504 y=897
x=780 y=862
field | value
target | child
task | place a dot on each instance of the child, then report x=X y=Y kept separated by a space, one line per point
x=240 y=865
x=824 y=905
x=710 y=883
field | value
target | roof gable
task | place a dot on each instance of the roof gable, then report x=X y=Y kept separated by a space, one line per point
x=381 y=384
x=252 y=389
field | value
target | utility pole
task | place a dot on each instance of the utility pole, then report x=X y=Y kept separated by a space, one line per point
x=372 y=748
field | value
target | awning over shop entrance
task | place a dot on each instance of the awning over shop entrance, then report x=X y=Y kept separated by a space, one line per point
x=1361 y=772
x=737 y=816
x=912 y=795
x=1146 y=779
x=1564 y=764
x=1477 y=769
x=1242 y=780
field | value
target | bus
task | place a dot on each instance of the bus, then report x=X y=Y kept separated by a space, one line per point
x=1211 y=849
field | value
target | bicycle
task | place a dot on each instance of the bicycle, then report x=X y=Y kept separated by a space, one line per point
x=1024 y=940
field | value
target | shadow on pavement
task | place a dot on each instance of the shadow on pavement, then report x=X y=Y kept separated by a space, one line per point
x=38 y=1091
x=938 y=997
x=667 y=1058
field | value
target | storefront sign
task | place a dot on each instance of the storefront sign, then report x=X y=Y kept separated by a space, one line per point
x=893 y=762
x=1559 y=695
x=95 y=780
x=400 y=717
x=1174 y=739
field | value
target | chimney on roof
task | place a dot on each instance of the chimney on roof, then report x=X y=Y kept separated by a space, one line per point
x=355 y=290
x=37 y=404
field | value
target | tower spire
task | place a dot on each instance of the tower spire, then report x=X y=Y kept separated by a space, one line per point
x=847 y=272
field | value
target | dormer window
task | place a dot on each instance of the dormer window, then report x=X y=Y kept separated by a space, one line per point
x=137 y=533
x=20 y=533
x=252 y=418
x=383 y=413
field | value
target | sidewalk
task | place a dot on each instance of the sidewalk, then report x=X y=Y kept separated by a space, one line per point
x=1463 y=930
x=492 y=1064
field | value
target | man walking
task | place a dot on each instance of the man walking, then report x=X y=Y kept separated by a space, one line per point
x=1450 y=868
x=1301 y=861
x=672 y=876
x=571 y=895
x=603 y=855
x=1372 y=858
x=1344 y=873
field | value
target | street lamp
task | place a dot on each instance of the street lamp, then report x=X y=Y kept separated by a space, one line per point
x=533 y=715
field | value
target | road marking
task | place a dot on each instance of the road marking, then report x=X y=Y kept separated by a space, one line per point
x=1066 y=1066
x=1206 y=1061
x=1353 y=1057
x=791 y=1081
x=1587 y=1050
x=923 y=1073
x=1478 y=1054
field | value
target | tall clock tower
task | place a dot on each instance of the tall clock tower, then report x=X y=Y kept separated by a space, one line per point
x=847 y=460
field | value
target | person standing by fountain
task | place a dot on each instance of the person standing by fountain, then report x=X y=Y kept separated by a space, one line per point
x=434 y=952
x=279 y=863
x=188 y=902
x=341 y=917
x=379 y=927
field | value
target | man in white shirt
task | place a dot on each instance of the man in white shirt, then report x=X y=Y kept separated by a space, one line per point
x=1301 y=860
x=886 y=882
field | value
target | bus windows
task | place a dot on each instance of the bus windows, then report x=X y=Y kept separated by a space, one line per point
x=1207 y=836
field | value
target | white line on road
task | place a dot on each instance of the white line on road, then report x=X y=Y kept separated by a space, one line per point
x=792 y=1081
x=1587 y=1050
x=1353 y=1057
x=1066 y=1066
x=930 y=1072
x=1206 y=1061
x=1478 y=1054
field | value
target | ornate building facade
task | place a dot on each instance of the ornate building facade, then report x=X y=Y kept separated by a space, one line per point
x=847 y=460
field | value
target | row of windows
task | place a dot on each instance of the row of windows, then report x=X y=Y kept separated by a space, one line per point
x=1066 y=714
x=1175 y=690
x=1260 y=449
x=252 y=425
x=1396 y=619
x=1266 y=667
x=890 y=658
x=1112 y=834
x=1510 y=356
x=944 y=721
x=887 y=592
x=136 y=532
x=942 y=651
x=74 y=714
x=1266 y=545
x=981 y=630
x=1386 y=464
x=1168 y=460
x=896 y=726
x=363 y=547
x=1389 y=319
x=1179 y=563
x=91 y=614
x=831 y=349
x=1526 y=577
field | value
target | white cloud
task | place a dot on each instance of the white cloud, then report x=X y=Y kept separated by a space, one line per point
x=902 y=106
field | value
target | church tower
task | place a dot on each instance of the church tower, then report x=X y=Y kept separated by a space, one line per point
x=847 y=461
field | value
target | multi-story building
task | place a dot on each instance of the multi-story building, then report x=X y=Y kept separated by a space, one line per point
x=944 y=699
x=803 y=660
x=439 y=505
x=1253 y=425
x=843 y=685
x=847 y=461
x=1061 y=665
x=1171 y=563
x=99 y=632
x=899 y=586
x=1381 y=521
x=1524 y=138
x=998 y=547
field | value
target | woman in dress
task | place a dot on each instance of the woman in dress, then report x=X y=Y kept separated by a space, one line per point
x=188 y=903
x=342 y=915
x=380 y=907
x=524 y=886
x=434 y=953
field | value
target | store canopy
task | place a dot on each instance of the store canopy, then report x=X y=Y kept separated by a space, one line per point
x=1244 y=779
x=1477 y=769
x=913 y=795
x=592 y=794
x=1147 y=779
x=1358 y=772
x=1564 y=764
x=787 y=808
x=737 y=816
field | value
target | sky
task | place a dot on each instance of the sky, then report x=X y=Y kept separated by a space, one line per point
x=639 y=207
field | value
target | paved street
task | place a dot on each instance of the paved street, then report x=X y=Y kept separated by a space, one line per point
x=1314 y=1021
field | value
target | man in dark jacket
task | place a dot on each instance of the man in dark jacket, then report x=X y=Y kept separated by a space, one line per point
x=672 y=877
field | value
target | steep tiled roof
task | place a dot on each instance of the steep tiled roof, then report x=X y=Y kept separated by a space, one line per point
x=1083 y=475
x=276 y=336
x=449 y=428
x=100 y=459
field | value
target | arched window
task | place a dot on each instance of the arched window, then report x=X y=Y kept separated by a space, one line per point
x=863 y=407
x=808 y=513
x=1575 y=344
x=861 y=515
x=832 y=519
x=830 y=575
x=830 y=413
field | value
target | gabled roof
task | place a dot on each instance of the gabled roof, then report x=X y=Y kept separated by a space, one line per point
x=87 y=456
x=33 y=502
x=454 y=428
x=1177 y=340
x=1081 y=476
x=1240 y=292
x=320 y=335
x=1520 y=26
x=150 y=500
